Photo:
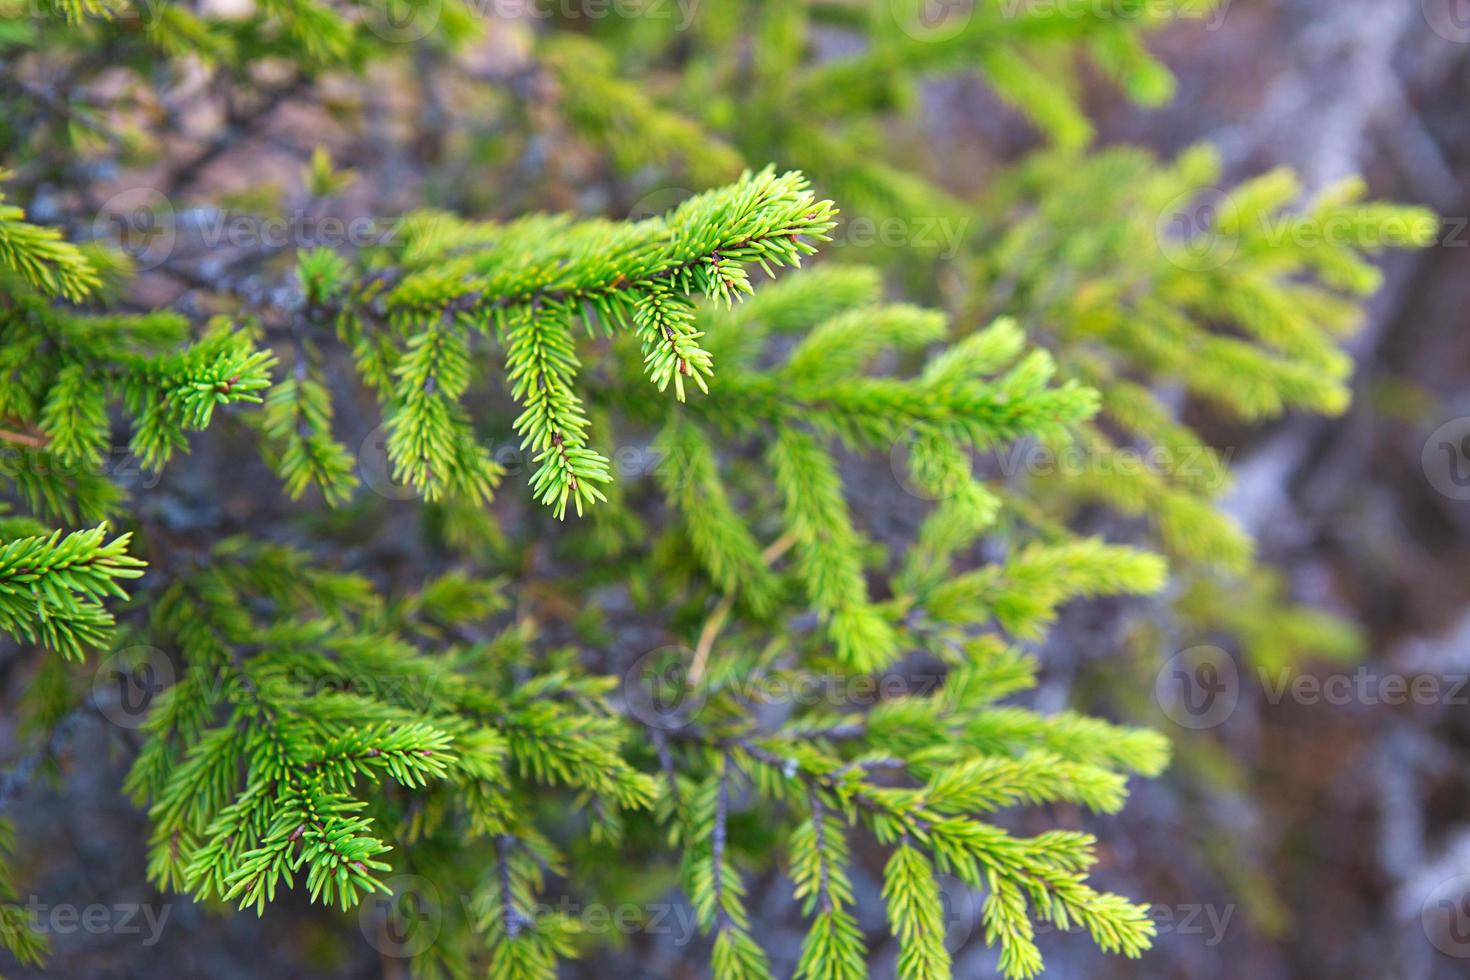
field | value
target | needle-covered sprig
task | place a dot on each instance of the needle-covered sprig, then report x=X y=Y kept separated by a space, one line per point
x=52 y=587
x=529 y=284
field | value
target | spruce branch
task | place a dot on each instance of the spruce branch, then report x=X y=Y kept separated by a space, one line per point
x=40 y=258
x=532 y=287
x=52 y=587
x=324 y=732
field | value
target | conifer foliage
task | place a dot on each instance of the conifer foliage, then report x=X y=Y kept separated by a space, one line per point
x=486 y=723
x=532 y=283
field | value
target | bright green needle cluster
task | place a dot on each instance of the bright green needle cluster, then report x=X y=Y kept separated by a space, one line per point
x=528 y=285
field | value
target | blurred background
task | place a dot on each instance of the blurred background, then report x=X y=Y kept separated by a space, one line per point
x=1317 y=825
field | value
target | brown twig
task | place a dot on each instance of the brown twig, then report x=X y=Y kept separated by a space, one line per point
x=716 y=621
x=24 y=439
